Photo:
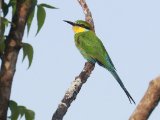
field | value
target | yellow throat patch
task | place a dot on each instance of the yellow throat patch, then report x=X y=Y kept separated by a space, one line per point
x=78 y=29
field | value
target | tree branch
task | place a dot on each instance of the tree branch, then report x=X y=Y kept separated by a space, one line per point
x=9 y=59
x=149 y=101
x=76 y=85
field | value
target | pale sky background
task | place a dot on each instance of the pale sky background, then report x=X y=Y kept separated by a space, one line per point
x=130 y=31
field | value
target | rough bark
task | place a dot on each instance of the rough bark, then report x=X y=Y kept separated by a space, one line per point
x=76 y=85
x=149 y=101
x=9 y=59
x=72 y=92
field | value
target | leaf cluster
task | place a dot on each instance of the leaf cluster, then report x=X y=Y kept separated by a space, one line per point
x=18 y=111
x=38 y=9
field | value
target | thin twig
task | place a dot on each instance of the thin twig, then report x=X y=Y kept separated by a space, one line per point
x=76 y=85
x=149 y=101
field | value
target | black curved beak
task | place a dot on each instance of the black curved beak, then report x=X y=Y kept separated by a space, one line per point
x=69 y=22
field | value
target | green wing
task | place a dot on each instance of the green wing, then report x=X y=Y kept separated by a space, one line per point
x=93 y=50
x=91 y=47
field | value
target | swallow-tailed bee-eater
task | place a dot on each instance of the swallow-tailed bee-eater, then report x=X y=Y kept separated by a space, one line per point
x=93 y=50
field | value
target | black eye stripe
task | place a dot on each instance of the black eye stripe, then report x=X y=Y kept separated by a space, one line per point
x=80 y=25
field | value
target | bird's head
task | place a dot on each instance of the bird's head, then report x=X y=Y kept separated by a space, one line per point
x=79 y=26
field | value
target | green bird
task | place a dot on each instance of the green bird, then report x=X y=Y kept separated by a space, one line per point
x=93 y=50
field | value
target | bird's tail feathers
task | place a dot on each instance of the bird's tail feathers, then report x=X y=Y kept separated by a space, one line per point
x=113 y=72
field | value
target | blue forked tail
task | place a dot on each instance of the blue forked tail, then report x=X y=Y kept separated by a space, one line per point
x=114 y=73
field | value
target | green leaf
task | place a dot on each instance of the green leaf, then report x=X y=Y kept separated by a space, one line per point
x=29 y=114
x=2 y=28
x=47 y=6
x=21 y=111
x=31 y=15
x=41 y=15
x=34 y=2
x=4 y=24
x=14 y=110
x=28 y=51
x=13 y=4
x=29 y=21
x=5 y=8
x=5 y=21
